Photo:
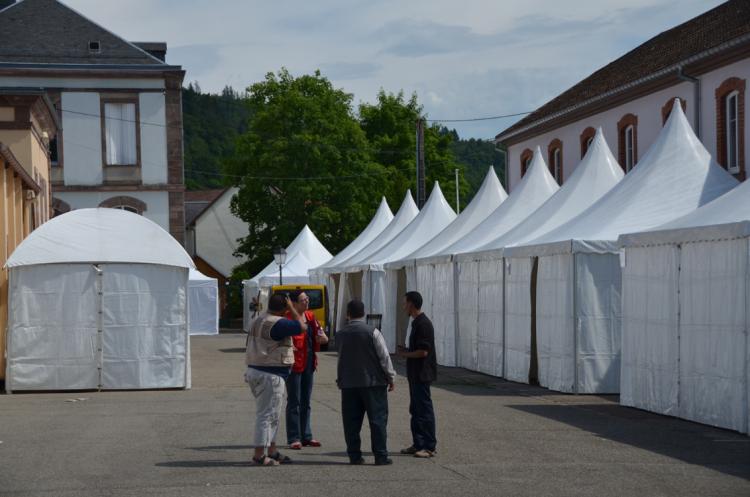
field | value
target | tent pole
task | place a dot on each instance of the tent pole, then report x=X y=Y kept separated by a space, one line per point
x=99 y=323
x=575 y=323
x=679 y=325
x=504 y=320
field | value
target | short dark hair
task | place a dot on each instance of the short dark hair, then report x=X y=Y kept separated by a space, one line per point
x=277 y=302
x=355 y=309
x=294 y=295
x=415 y=298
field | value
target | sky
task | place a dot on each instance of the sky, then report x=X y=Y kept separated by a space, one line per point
x=464 y=59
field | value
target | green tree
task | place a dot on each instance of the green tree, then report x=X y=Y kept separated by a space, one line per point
x=476 y=155
x=390 y=126
x=303 y=159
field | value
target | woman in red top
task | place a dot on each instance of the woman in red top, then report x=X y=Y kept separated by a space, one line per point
x=300 y=382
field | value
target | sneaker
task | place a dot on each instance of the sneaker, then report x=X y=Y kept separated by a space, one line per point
x=409 y=450
x=311 y=443
x=384 y=462
x=423 y=454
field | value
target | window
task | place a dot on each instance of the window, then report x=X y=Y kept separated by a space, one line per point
x=95 y=47
x=587 y=138
x=126 y=208
x=730 y=126
x=555 y=158
x=526 y=157
x=53 y=151
x=627 y=141
x=120 y=136
x=732 y=130
x=125 y=203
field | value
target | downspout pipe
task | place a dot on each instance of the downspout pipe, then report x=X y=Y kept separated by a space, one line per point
x=697 y=90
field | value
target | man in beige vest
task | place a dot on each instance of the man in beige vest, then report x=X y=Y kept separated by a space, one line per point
x=269 y=359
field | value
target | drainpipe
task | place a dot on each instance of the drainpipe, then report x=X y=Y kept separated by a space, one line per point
x=697 y=90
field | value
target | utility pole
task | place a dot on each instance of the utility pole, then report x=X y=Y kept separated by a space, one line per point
x=420 y=164
x=458 y=200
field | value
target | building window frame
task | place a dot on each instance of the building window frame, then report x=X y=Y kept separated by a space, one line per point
x=526 y=158
x=731 y=89
x=121 y=100
x=627 y=142
x=555 y=156
x=587 y=138
x=124 y=202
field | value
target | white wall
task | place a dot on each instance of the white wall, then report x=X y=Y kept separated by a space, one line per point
x=153 y=138
x=648 y=110
x=216 y=234
x=82 y=138
x=157 y=203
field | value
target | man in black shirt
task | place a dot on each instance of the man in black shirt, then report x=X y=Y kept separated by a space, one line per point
x=421 y=370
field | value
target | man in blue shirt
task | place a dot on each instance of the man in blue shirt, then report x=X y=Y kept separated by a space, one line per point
x=269 y=359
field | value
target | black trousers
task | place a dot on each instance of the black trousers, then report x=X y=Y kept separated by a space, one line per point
x=355 y=402
x=422 y=416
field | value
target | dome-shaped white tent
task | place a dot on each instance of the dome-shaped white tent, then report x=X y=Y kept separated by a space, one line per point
x=98 y=300
x=481 y=334
x=578 y=281
x=685 y=301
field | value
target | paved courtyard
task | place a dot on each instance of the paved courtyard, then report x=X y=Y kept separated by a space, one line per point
x=495 y=438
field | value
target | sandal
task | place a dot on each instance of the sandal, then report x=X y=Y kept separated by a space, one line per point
x=279 y=458
x=296 y=445
x=265 y=461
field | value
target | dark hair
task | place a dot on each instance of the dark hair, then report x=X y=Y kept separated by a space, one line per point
x=294 y=295
x=355 y=309
x=277 y=302
x=415 y=298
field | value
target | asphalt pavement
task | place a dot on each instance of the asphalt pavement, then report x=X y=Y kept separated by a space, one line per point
x=494 y=438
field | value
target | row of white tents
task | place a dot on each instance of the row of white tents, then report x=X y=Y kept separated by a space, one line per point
x=104 y=299
x=592 y=287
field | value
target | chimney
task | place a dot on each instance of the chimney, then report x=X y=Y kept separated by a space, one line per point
x=156 y=48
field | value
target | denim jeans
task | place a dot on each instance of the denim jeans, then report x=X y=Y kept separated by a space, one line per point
x=299 y=391
x=422 y=416
x=355 y=402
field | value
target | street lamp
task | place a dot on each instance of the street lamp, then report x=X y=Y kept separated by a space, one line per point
x=279 y=257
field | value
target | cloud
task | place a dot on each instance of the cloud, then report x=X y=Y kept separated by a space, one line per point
x=344 y=71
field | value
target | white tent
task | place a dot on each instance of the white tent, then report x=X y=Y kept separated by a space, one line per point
x=431 y=220
x=483 y=291
x=441 y=273
x=203 y=304
x=314 y=254
x=329 y=273
x=98 y=299
x=686 y=315
x=575 y=273
x=436 y=281
x=351 y=286
x=296 y=270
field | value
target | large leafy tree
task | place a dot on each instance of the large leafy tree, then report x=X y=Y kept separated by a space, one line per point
x=390 y=126
x=304 y=159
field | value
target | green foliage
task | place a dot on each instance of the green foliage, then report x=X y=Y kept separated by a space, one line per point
x=212 y=124
x=302 y=128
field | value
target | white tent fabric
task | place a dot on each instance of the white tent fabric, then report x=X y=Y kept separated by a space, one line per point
x=579 y=278
x=405 y=215
x=596 y=174
x=431 y=220
x=685 y=318
x=305 y=243
x=534 y=189
x=436 y=281
x=382 y=218
x=295 y=271
x=98 y=299
x=203 y=304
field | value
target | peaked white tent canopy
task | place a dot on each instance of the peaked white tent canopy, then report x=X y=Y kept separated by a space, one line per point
x=314 y=254
x=98 y=299
x=578 y=280
x=436 y=282
x=440 y=274
x=481 y=326
x=685 y=301
x=352 y=286
x=432 y=219
x=296 y=270
x=203 y=304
